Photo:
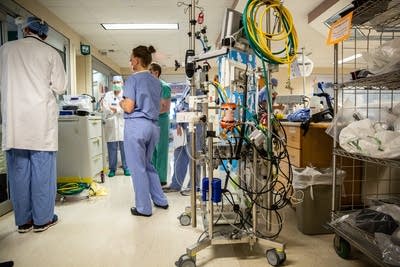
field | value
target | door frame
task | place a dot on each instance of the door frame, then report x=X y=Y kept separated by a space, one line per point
x=6 y=205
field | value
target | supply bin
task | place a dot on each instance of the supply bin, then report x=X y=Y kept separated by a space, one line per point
x=314 y=211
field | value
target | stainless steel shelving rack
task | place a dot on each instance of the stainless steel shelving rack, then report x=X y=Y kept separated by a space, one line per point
x=372 y=179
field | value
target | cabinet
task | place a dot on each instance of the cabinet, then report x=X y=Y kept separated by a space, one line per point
x=315 y=149
x=311 y=149
x=80 y=148
x=374 y=23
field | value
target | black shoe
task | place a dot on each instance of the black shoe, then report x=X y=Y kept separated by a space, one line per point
x=169 y=190
x=136 y=213
x=7 y=264
x=25 y=228
x=161 y=206
x=186 y=192
x=44 y=227
x=163 y=183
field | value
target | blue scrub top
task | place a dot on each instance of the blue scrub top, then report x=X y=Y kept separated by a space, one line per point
x=262 y=95
x=145 y=90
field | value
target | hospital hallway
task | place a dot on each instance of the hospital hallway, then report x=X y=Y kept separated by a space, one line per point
x=101 y=231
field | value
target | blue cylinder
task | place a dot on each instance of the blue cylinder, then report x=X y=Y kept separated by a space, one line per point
x=204 y=189
x=216 y=190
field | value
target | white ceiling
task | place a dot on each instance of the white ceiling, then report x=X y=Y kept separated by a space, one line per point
x=85 y=17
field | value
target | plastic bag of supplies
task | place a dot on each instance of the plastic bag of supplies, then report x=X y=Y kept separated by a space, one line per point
x=368 y=138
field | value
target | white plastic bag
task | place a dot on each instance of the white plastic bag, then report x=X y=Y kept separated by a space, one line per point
x=363 y=138
x=308 y=177
x=304 y=177
x=384 y=58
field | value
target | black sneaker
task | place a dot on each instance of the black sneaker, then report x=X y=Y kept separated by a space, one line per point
x=186 y=192
x=25 y=228
x=7 y=264
x=161 y=206
x=169 y=190
x=44 y=227
x=136 y=213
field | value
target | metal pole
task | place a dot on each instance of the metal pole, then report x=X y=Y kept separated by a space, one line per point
x=192 y=11
x=210 y=179
x=304 y=70
x=269 y=136
x=336 y=79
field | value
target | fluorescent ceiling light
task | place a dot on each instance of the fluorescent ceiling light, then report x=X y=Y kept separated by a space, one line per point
x=140 y=26
x=350 y=58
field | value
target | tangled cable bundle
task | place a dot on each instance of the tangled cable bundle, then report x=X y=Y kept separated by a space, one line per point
x=283 y=30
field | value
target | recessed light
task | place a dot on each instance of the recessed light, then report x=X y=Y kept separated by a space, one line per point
x=140 y=26
x=350 y=58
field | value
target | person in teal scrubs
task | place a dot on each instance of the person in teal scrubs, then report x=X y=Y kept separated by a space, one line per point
x=160 y=155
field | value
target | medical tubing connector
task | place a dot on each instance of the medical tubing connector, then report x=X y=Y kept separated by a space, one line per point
x=259 y=39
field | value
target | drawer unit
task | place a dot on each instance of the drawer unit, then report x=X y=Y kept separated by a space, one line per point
x=93 y=128
x=80 y=154
x=97 y=164
x=294 y=156
x=312 y=149
x=95 y=146
x=293 y=134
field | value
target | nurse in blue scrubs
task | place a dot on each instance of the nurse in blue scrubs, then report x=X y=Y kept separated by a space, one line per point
x=141 y=105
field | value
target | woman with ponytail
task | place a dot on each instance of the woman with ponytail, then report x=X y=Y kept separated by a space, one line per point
x=141 y=105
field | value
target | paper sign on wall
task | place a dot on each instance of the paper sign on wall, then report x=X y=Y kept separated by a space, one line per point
x=340 y=30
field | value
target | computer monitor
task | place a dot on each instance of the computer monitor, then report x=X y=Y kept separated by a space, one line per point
x=231 y=24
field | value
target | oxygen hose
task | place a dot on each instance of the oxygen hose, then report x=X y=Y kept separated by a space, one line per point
x=283 y=31
x=259 y=39
x=71 y=188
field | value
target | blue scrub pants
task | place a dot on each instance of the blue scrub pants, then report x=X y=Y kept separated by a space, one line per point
x=140 y=138
x=32 y=179
x=112 y=148
x=182 y=161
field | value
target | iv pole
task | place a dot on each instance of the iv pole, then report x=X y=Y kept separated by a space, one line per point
x=193 y=174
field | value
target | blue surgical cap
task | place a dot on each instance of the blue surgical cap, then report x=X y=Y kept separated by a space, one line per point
x=37 y=25
x=274 y=82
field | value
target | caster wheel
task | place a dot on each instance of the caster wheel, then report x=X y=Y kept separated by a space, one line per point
x=275 y=257
x=184 y=219
x=342 y=247
x=185 y=261
x=102 y=177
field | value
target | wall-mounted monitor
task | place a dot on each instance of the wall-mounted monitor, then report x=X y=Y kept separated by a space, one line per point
x=232 y=23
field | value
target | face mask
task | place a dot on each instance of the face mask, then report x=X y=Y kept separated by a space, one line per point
x=117 y=87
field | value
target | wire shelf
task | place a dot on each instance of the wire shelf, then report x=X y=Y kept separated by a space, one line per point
x=390 y=80
x=385 y=162
x=378 y=14
x=358 y=238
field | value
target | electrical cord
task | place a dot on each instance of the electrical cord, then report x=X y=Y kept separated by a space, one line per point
x=219 y=92
x=280 y=196
x=71 y=188
x=259 y=39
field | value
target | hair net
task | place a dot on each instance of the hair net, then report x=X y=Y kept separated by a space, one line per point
x=37 y=25
x=117 y=79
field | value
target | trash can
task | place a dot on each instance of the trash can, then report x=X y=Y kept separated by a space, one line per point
x=314 y=211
